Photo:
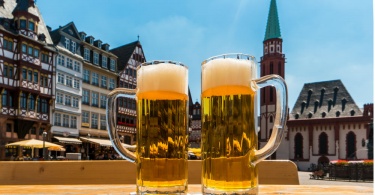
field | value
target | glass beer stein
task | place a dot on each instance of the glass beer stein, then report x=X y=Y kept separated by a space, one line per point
x=229 y=123
x=161 y=154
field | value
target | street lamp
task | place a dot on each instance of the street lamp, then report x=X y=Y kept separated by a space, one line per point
x=87 y=151
x=44 y=143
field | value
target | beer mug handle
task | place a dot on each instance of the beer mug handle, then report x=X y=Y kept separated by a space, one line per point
x=280 y=118
x=111 y=121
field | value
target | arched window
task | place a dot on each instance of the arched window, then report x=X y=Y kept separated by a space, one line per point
x=298 y=146
x=323 y=143
x=350 y=146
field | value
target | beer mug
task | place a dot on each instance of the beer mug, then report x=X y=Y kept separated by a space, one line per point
x=161 y=155
x=229 y=123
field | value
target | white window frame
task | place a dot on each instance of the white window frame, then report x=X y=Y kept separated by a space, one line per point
x=75 y=102
x=85 y=96
x=111 y=83
x=73 y=47
x=77 y=66
x=69 y=81
x=96 y=58
x=86 y=73
x=94 y=99
x=86 y=54
x=95 y=78
x=60 y=78
x=59 y=98
x=68 y=100
x=67 y=43
x=103 y=82
x=69 y=63
x=103 y=100
x=85 y=117
x=104 y=62
x=76 y=83
x=73 y=122
x=57 y=119
x=113 y=65
x=65 y=120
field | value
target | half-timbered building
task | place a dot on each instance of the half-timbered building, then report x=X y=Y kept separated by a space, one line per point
x=130 y=56
x=26 y=74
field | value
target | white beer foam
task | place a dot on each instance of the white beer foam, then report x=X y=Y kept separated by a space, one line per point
x=163 y=77
x=229 y=71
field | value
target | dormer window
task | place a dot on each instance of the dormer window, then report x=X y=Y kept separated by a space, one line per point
x=91 y=40
x=83 y=35
x=22 y=24
x=31 y=26
x=67 y=43
x=99 y=44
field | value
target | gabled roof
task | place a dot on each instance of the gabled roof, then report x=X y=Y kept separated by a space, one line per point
x=273 y=26
x=124 y=53
x=7 y=17
x=327 y=99
x=69 y=28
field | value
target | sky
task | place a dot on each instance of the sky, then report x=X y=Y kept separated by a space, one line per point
x=322 y=39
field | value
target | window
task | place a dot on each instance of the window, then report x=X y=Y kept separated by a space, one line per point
x=29 y=51
x=323 y=144
x=77 y=66
x=68 y=100
x=111 y=84
x=104 y=62
x=22 y=24
x=69 y=81
x=36 y=53
x=44 y=106
x=23 y=100
x=104 y=82
x=103 y=122
x=96 y=58
x=30 y=75
x=31 y=26
x=31 y=102
x=43 y=80
x=85 y=117
x=73 y=122
x=94 y=120
x=60 y=78
x=61 y=60
x=7 y=71
x=75 y=102
x=65 y=120
x=59 y=98
x=57 y=119
x=103 y=100
x=94 y=99
x=36 y=77
x=4 y=98
x=351 y=146
x=8 y=45
x=113 y=65
x=76 y=83
x=85 y=97
x=69 y=63
x=95 y=79
x=23 y=48
x=73 y=47
x=298 y=146
x=86 y=76
x=86 y=54
x=67 y=43
x=45 y=58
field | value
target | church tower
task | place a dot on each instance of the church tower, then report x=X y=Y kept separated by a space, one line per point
x=272 y=62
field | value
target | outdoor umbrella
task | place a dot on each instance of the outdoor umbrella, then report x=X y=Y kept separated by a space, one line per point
x=56 y=148
x=33 y=143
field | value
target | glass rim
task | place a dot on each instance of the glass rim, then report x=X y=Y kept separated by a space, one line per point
x=156 y=62
x=239 y=56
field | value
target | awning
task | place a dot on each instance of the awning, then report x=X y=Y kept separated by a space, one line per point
x=105 y=142
x=67 y=140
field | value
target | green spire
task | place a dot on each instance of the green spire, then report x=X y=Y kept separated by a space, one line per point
x=273 y=27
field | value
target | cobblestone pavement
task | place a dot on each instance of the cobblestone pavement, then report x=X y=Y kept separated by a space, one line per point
x=304 y=179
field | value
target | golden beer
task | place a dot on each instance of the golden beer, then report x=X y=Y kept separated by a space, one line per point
x=162 y=127
x=229 y=124
x=228 y=138
x=162 y=140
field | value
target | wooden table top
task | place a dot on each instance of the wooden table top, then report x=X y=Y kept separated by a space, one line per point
x=193 y=189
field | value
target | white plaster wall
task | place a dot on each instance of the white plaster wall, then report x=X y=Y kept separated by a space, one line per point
x=360 y=134
x=305 y=134
x=329 y=130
